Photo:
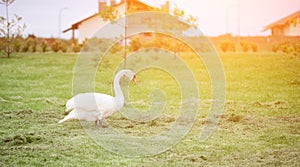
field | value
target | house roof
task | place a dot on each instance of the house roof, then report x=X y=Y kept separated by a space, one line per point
x=282 y=21
x=138 y=4
x=75 y=25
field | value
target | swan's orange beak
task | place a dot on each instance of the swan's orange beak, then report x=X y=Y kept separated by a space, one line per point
x=133 y=80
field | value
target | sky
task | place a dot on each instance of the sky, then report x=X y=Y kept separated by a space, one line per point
x=215 y=17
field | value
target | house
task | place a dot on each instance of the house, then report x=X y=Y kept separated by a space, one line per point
x=287 y=26
x=89 y=26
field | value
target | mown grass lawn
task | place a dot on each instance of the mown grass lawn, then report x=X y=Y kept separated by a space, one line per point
x=259 y=127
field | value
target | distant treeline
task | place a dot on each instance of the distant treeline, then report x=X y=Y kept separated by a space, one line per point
x=284 y=44
x=225 y=43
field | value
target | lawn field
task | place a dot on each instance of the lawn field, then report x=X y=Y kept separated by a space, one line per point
x=260 y=124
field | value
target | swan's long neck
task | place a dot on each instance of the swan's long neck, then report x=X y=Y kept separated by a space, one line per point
x=119 y=98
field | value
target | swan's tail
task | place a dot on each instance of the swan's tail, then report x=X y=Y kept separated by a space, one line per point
x=61 y=121
x=70 y=116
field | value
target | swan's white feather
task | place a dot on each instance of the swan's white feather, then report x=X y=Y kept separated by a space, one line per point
x=96 y=106
x=90 y=107
x=93 y=101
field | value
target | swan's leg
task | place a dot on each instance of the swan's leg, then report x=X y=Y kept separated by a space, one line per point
x=100 y=117
x=100 y=123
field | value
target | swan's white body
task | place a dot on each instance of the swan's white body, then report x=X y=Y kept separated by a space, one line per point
x=96 y=106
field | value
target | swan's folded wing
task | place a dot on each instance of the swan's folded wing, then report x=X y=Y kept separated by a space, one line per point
x=70 y=104
x=93 y=102
x=105 y=103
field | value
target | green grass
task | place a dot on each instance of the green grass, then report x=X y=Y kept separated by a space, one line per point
x=259 y=127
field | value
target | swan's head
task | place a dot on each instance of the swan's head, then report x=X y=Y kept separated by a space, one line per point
x=129 y=74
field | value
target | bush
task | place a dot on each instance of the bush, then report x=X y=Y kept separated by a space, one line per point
x=55 y=46
x=288 y=47
x=275 y=48
x=227 y=46
x=284 y=48
x=26 y=45
x=44 y=45
x=25 y=48
x=297 y=47
x=17 y=45
x=33 y=45
x=254 y=47
x=63 y=47
x=135 y=44
x=116 y=48
x=76 y=48
x=245 y=46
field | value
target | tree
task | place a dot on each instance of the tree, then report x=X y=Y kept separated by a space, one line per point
x=178 y=12
x=110 y=14
x=10 y=30
x=193 y=21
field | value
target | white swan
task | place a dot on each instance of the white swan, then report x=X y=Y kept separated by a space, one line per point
x=96 y=106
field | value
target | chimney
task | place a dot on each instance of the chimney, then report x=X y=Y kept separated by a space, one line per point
x=113 y=2
x=166 y=7
x=101 y=5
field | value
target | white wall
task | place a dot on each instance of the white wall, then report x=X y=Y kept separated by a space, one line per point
x=292 y=30
x=88 y=28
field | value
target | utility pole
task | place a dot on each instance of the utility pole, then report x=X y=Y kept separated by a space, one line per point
x=227 y=19
x=59 y=20
x=125 y=35
x=239 y=22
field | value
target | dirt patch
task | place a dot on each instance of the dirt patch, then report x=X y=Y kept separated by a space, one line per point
x=291 y=119
x=50 y=100
x=235 y=118
x=18 y=113
x=278 y=157
x=20 y=139
x=24 y=112
x=194 y=158
x=295 y=82
x=274 y=104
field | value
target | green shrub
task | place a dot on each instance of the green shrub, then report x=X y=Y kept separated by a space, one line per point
x=76 y=48
x=63 y=47
x=288 y=47
x=55 y=46
x=116 y=48
x=297 y=47
x=17 y=45
x=245 y=46
x=33 y=45
x=254 y=47
x=227 y=46
x=135 y=44
x=26 y=46
x=284 y=48
x=44 y=45
x=275 y=48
